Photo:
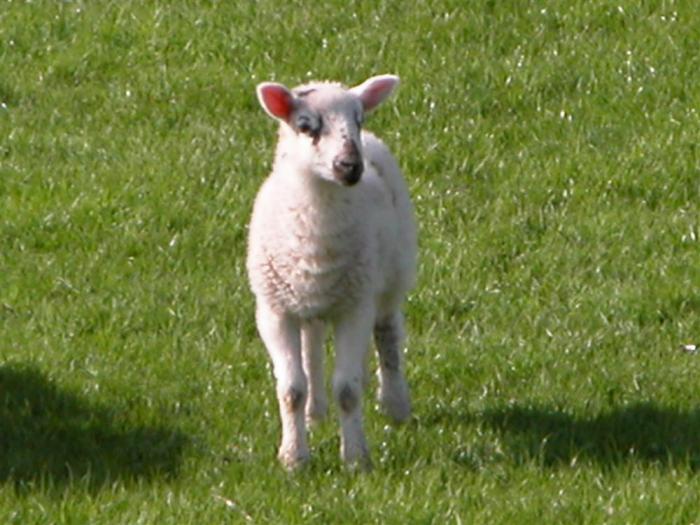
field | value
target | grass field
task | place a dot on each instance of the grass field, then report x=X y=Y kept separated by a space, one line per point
x=552 y=151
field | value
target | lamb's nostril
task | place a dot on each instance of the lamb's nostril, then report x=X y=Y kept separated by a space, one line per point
x=343 y=166
x=348 y=171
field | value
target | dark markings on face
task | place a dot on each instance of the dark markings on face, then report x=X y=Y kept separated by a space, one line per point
x=309 y=124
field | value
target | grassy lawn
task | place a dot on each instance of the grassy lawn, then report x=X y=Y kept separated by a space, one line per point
x=552 y=151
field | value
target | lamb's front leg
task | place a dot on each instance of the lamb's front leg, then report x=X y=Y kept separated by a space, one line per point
x=312 y=339
x=281 y=335
x=352 y=336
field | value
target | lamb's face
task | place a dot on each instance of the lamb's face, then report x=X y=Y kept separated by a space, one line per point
x=322 y=124
x=326 y=127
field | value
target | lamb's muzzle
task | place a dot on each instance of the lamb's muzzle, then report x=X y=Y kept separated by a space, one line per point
x=347 y=166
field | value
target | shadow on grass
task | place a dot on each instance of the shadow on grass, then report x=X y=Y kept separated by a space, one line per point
x=54 y=438
x=643 y=433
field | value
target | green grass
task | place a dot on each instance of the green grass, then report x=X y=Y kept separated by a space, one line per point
x=551 y=149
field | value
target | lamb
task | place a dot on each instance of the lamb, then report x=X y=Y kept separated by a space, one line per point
x=332 y=240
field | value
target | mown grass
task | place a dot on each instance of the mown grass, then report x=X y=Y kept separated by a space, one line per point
x=551 y=148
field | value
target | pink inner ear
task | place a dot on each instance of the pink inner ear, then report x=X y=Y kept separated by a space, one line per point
x=377 y=91
x=277 y=101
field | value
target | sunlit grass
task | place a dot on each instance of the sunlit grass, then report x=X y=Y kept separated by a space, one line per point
x=551 y=152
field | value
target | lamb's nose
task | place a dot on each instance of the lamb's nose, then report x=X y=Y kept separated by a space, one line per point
x=348 y=165
x=348 y=170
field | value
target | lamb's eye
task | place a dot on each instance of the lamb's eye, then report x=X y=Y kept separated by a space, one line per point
x=307 y=125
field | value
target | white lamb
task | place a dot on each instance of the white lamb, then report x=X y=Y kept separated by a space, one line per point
x=332 y=240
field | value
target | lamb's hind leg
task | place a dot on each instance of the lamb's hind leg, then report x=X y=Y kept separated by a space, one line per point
x=312 y=339
x=281 y=335
x=394 y=396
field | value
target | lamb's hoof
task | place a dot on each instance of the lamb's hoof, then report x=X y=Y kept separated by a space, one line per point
x=396 y=402
x=356 y=457
x=292 y=461
x=398 y=411
x=362 y=464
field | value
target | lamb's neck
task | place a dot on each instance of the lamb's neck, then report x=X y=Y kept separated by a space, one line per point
x=316 y=208
x=307 y=189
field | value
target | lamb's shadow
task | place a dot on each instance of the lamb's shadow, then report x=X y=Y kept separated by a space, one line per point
x=643 y=432
x=56 y=438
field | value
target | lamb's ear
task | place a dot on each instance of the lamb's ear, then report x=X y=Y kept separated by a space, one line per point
x=276 y=100
x=375 y=89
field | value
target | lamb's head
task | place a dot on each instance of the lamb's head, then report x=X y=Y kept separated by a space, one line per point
x=321 y=124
